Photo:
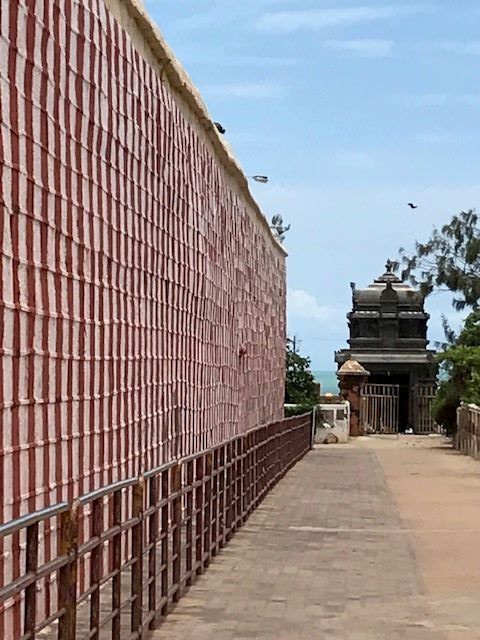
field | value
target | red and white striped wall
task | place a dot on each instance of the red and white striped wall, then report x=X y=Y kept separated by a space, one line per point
x=132 y=276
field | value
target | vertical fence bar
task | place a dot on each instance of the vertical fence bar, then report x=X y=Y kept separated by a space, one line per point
x=207 y=524
x=96 y=558
x=235 y=478
x=238 y=483
x=215 y=502
x=67 y=581
x=229 y=491
x=137 y=556
x=259 y=465
x=244 y=440
x=152 y=552
x=265 y=453
x=283 y=445
x=199 y=516
x=288 y=439
x=255 y=468
x=221 y=494
x=250 y=472
x=31 y=564
x=312 y=429
x=278 y=454
x=176 y=477
x=116 y=566
x=164 y=536
x=189 y=541
x=263 y=450
x=272 y=459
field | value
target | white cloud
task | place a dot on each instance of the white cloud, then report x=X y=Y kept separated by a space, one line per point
x=253 y=90
x=214 y=14
x=315 y=19
x=365 y=48
x=301 y=304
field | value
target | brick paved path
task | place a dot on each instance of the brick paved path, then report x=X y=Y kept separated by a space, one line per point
x=325 y=557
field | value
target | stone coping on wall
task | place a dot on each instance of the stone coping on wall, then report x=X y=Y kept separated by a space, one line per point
x=161 y=56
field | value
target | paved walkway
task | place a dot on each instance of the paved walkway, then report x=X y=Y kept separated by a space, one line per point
x=358 y=542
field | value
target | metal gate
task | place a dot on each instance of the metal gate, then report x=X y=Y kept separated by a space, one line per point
x=379 y=408
x=423 y=397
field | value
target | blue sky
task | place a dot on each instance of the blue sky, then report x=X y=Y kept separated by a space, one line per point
x=352 y=109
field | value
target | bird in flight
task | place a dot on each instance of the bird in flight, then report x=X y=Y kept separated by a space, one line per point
x=412 y=206
x=219 y=127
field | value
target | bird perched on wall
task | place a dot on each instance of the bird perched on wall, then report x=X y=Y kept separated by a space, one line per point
x=220 y=129
x=412 y=206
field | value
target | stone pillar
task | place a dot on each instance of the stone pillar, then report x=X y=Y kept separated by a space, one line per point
x=351 y=377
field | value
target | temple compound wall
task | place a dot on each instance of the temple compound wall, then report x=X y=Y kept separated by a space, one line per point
x=142 y=294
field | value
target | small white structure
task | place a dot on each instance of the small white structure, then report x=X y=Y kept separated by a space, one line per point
x=332 y=421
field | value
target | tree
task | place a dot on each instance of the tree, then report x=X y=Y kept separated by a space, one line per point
x=460 y=361
x=449 y=260
x=300 y=386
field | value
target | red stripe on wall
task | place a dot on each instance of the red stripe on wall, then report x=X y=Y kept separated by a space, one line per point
x=16 y=338
x=3 y=216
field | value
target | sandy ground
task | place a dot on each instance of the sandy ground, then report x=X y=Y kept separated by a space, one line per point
x=437 y=494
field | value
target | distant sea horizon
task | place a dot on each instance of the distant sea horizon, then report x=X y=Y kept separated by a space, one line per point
x=328 y=381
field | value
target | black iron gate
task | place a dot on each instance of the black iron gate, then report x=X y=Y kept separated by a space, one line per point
x=379 y=408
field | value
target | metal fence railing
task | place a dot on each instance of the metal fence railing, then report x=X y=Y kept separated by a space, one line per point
x=379 y=408
x=467 y=437
x=126 y=552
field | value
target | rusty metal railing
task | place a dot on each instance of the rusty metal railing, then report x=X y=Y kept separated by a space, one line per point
x=128 y=551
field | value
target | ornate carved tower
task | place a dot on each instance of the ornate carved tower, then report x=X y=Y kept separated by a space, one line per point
x=388 y=336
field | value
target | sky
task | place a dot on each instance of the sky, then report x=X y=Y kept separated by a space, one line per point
x=353 y=109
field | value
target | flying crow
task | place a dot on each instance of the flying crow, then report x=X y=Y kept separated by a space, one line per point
x=219 y=127
x=412 y=206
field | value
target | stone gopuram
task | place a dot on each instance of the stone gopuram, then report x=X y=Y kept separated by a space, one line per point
x=388 y=337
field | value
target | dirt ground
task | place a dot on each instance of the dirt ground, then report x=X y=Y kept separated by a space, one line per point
x=437 y=494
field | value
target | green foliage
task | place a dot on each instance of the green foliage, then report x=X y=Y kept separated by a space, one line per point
x=449 y=260
x=300 y=387
x=461 y=363
x=297 y=410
